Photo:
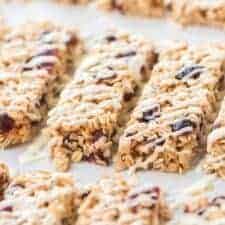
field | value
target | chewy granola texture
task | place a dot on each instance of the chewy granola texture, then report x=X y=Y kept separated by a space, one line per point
x=167 y=129
x=204 y=211
x=38 y=198
x=35 y=62
x=93 y=108
x=114 y=201
x=207 y=12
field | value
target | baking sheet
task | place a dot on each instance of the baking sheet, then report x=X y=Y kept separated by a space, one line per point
x=90 y=22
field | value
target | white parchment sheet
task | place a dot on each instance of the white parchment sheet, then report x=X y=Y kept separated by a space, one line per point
x=90 y=22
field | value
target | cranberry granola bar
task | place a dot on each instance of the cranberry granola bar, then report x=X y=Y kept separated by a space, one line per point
x=134 y=7
x=209 y=12
x=215 y=158
x=115 y=201
x=168 y=128
x=35 y=63
x=131 y=7
x=94 y=106
x=203 y=210
x=38 y=198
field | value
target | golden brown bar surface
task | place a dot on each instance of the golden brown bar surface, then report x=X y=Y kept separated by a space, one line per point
x=37 y=198
x=167 y=129
x=36 y=62
x=199 y=12
x=116 y=201
x=93 y=108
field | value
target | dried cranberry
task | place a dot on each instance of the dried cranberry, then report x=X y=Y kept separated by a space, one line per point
x=160 y=141
x=72 y=40
x=181 y=124
x=201 y=212
x=90 y=158
x=117 y=5
x=6 y=123
x=111 y=38
x=47 y=52
x=27 y=68
x=187 y=209
x=85 y=194
x=127 y=54
x=94 y=157
x=7 y=209
x=191 y=72
x=150 y=114
x=128 y=96
x=44 y=65
x=97 y=135
x=154 y=190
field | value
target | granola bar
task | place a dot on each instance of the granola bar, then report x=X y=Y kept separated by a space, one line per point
x=131 y=7
x=93 y=108
x=215 y=164
x=199 y=12
x=35 y=63
x=204 y=211
x=215 y=158
x=115 y=201
x=38 y=198
x=167 y=129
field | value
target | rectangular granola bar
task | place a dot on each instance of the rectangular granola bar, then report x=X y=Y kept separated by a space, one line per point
x=203 y=210
x=116 y=201
x=215 y=158
x=93 y=108
x=214 y=164
x=131 y=7
x=209 y=12
x=37 y=198
x=35 y=63
x=168 y=127
x=134 y=7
